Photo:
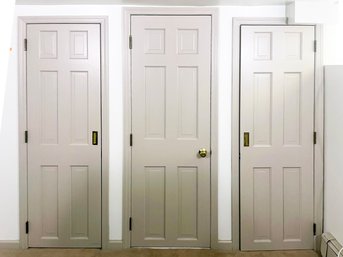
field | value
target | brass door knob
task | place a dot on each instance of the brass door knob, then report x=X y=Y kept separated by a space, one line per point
x=203 y=152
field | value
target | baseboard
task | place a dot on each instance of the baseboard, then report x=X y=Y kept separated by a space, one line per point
x=329 y=246
x=224 y=245
x=12 y=244
x=115 y=245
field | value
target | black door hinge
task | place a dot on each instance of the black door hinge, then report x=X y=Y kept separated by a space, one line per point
x=131 y=140
x=314 y=229
x=25 y=44
x=26 y=136
x=130 y=42
x=314 y=137
x=27 y=227
x=315 y=46
x=130 y=224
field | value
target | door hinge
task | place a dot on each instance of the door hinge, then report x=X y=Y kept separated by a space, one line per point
x=315 y=46
x=131 y=140
x=25 y=44
x=314 y=229
x=314 y=138
x=130 y=224
x=130 y=42
x=27 y=227
x=26 y=136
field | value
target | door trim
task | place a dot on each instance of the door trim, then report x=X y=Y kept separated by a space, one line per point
x=196 y=11
x=22 y=118
x=235 y=129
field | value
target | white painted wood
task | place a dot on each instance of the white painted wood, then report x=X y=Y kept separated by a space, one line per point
x=115 y=245
x=63 y=108
x=9 y=244
x=330 y=247
x=170 y=122
x=333 y=164
x=319 y=147
x=277 y=109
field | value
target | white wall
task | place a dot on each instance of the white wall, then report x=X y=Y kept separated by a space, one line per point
x=309 y=11
x=9 y=227
x=6 y=14
x=333 y=202
x=9 y=192
x=333 y=40
x=333 y=187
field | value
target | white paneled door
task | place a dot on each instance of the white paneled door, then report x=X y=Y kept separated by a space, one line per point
x=277 y=110
x=171 y=85
x=64 y=129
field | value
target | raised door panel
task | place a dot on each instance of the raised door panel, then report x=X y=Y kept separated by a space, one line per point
x=262 y=209
x=79 y=107
x=188 y=98
x=50 y=199
x=48 y=48
x=188 y=41
x=78 y=44
x=155 y=102
x=293 y=45
x=155 y=202
x=154 y=42
x=188 y=200
x=49 y=107
x=263 y=44
x=262 y=109
x=79 y=202
x=292 y=195
x=292 y=109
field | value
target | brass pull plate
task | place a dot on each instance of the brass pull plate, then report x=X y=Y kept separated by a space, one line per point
x=95 y=137
x=246 y=139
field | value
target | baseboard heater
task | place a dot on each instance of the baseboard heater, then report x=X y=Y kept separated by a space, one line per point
x=329 y=246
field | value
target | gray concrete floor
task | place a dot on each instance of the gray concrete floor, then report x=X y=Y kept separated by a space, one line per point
x=148 y=253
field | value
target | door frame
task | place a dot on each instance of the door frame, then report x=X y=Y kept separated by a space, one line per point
x=174 y=11
x=318 y=158
x=23 y=21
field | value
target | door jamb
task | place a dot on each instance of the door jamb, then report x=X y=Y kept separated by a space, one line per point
x=318 y=126
x=23 y=21
x=191 y=11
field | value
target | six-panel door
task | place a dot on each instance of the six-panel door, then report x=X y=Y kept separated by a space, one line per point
x=171 y=86
x=277 y=110
x=64 y=108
